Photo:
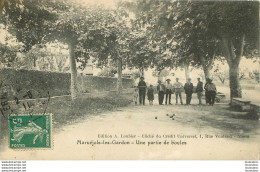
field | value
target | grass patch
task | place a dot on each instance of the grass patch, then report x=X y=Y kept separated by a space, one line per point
x=66 y=112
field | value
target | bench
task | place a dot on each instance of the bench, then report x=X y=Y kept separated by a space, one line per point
x=219 y=96
x=255 y=109
x=242 y=103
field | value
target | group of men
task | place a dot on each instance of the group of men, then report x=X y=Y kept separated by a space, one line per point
x=167 y=89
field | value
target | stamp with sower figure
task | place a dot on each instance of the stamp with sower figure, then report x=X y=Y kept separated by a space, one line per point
x=29 y=132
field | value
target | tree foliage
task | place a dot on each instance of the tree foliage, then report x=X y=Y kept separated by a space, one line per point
x=195 y=32
x=162 y=34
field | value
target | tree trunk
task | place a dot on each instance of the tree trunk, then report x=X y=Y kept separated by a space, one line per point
x=233 y=56
x=119 y=76
x=142 y=71
x=235 y=88
x=34 y=62
x=206 y=70
x=73 y=68
x=187 y=71
x=159 y=76
x=207 y=64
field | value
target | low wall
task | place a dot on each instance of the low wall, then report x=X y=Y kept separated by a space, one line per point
x=95 y=83
x=40 y=82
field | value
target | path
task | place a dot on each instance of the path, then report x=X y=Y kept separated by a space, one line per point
x=140 y=121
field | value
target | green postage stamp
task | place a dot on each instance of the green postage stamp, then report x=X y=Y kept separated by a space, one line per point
x=30 y=131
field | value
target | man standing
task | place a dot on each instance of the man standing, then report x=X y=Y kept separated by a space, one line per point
x=211 y=87
x=142 y=90
x=188 y=87
x=206 y=91
x=199 y=90
x=161 y=91
x=168 y=91
x=178 y=89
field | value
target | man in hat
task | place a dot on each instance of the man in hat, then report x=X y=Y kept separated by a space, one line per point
x=199 y=90
x=142 y=89
x=178 y=89
x=212 y=90
x=188 y=87
x=168 y=91
x=161 y=91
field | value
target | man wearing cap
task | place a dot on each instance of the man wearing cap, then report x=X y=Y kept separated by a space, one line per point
x=142 y=90
x=188 y=87
x=199 y=90
x=168 y=91
x=161 y=92
x=178 y=89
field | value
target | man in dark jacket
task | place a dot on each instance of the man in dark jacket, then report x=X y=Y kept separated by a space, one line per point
x=161 y=92
x=206 y=91
x=142 y=89
x=188 y=87
x=212 y=90
x=168 y=88
x=199 y=90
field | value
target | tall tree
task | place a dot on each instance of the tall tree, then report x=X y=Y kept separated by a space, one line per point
x=33 y=21
x=222 y=28
x=170 y=32
x=40 y=21
x=111 y=41
x=236 y=26
x=232 y=25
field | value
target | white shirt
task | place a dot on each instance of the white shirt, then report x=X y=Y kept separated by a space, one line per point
x=178 y=85
x=168 y=86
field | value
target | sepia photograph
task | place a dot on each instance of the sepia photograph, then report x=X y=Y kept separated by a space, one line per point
x=129 y=80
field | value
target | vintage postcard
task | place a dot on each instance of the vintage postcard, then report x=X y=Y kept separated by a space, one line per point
x=129 y=80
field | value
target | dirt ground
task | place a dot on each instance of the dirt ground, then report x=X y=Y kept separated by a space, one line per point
x=195 y=129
